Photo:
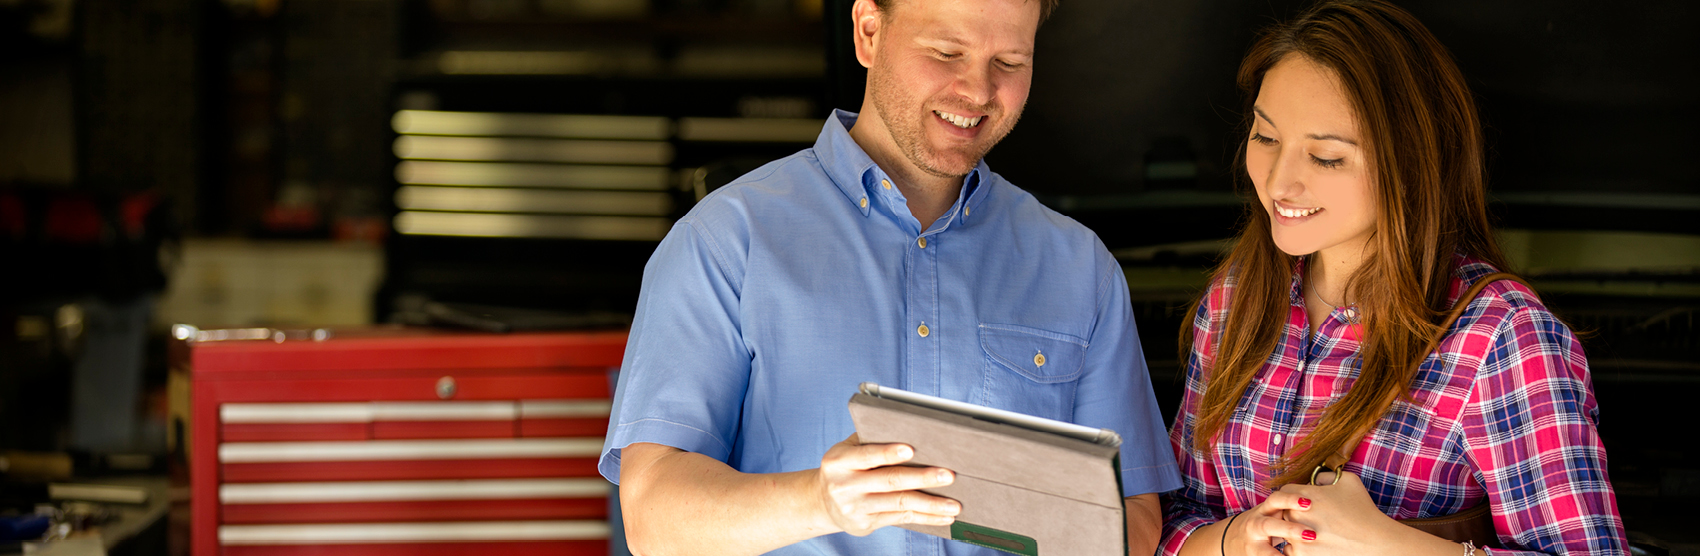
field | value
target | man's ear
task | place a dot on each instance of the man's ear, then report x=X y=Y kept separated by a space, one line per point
x=866 y=20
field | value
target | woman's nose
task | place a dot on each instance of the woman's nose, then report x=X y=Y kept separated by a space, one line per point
x=1284 y=179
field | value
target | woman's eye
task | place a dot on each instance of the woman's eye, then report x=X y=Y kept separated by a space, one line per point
x=1261 y=140
x=1327 y=163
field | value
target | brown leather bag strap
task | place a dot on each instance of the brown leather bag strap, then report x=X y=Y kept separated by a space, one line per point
x=1333 y=462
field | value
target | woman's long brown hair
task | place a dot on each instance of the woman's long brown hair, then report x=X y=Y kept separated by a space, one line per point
x=1425 y=148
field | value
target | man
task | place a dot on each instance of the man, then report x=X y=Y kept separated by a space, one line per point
x=886 y=253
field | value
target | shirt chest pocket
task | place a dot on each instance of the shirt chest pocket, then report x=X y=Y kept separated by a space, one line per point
x=1030 y=370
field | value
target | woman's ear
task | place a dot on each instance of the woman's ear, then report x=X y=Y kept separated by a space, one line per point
x=866 y=19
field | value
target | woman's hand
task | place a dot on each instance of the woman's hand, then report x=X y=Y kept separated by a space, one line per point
x=1344 y=518
x=1257 y=531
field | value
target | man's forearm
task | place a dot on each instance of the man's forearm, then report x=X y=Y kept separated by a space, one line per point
x=677 y=502
x=1144 y=523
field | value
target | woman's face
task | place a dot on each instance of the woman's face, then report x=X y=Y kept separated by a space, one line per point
x=1308 y=161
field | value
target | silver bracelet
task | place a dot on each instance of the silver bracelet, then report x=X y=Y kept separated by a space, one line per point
x=1469 y=548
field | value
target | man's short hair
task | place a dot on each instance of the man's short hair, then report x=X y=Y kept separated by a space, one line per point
x=1045 y=7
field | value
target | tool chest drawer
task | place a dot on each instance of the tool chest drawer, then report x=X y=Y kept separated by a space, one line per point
x=397 y=441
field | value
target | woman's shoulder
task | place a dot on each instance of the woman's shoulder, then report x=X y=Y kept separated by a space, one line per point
x=1213 y=305
x=1499 y=300
x=1507 y=317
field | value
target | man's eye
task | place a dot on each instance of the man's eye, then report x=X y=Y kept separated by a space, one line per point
x=1010 y=66
x=942 y=55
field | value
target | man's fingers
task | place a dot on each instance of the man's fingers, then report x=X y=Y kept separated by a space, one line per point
x=901 y=478
x=867 y=456
x=912 y=517
x=874 y=511
x=910 y=501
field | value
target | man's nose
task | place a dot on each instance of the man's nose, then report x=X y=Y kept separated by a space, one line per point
x=974 y=84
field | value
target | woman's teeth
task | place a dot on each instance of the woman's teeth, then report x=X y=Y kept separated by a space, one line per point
x=1296 y=213
x=959 y=121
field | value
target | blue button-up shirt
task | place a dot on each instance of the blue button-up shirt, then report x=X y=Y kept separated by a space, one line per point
x=776 y=295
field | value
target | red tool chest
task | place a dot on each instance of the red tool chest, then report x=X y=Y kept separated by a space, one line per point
x=396 y=441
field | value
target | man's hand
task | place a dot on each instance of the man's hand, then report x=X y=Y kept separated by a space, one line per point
x=863 y=488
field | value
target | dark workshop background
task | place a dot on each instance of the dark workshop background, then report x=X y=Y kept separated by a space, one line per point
x=301 y=163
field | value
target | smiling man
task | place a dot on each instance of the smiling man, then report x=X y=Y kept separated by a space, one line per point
x=888 y=253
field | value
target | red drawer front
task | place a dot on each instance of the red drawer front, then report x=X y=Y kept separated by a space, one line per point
x=407 y=469
x=538 y=428
x=267 y=432
x=470 y=385
x=431 y=510
x=387 y=348
x=397 y=430
x=510 y=548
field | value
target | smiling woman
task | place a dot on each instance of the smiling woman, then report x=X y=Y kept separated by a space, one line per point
x=1321 y=337
x=1312 y=173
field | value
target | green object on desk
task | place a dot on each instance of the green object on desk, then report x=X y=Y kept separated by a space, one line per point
x=992 y=538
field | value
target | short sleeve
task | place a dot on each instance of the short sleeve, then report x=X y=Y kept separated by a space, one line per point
x=686 y=365
x=1115 y=390
x=1531 y=431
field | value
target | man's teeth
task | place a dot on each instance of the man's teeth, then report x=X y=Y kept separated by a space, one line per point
x=1296 y=213
x=959 y=121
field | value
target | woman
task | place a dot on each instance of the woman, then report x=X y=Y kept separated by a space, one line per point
x=1364 y=147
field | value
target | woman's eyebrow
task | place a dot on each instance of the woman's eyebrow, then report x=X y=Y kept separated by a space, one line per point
x=1259 y=111
x=1322 y=137
x=1330 y=137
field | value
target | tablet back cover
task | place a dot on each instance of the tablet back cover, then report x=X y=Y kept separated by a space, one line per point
x=1022 y=491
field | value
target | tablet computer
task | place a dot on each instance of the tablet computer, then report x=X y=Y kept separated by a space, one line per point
x=1027 y=485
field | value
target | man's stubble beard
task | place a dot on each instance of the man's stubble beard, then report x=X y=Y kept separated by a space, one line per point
x=911 y=141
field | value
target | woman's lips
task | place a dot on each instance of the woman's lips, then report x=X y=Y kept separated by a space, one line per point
x=1294 y=215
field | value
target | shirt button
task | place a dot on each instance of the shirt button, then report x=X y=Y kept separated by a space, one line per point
x=1038 y=359
x=965 y=211
x=1277 y=439
x=921 y=242
x=923 y=330
x=885 y=183
x=864 y=202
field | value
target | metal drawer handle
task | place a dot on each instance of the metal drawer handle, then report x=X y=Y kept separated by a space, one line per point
x=446 y=387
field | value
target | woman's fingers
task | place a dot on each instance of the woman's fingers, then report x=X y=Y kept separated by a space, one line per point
x=1260 y=534
x=1262 y=529
x=1284 y=500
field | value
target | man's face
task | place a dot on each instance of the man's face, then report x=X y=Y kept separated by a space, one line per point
x=950 y=77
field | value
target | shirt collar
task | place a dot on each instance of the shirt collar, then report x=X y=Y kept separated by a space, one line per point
x=859 y=178
x=845 y=161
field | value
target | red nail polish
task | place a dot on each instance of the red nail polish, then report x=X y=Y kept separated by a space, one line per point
x=1310 y=535
x=1304 y=503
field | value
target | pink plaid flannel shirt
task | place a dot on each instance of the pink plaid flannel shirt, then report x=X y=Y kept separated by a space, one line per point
x=1504 y=414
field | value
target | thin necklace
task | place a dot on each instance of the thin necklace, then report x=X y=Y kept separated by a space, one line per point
x=1318 y=294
